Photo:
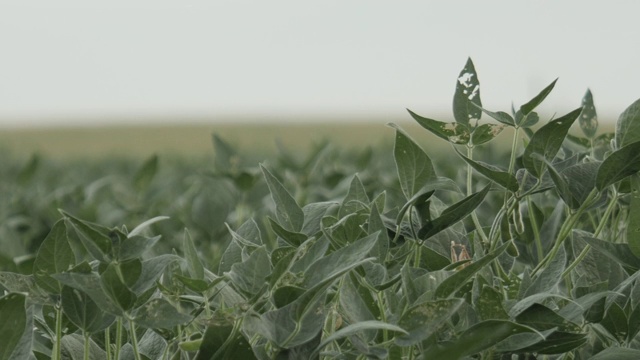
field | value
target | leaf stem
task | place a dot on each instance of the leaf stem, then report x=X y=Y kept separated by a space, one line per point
x=107 y=342
x=134 y=339
x=86 y=345
x=536 y=230
x=118 y=338
x=56 y=355
x=474 y=216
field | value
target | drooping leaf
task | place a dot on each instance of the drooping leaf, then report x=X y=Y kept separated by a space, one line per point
x=542 y=318
x=588 y=117
x=92 y=236
x=218 y=343
x=454 y=282
x=628 y=126
x=146 y=173
x=54 y=256
x=537 y=100
x=138 y=230
x=115 y=287
x=414 y=166
x=251 y=275
x=466 y=95
x=453 y=213
x=453 y=132
x=288 y=212
x=500 y=116
x=621 y=164
x=424 y=319
x=502 y=178
x=293 y=238
x=489 y=304
x=547 y=141
x=72 y=348
x=547 y=280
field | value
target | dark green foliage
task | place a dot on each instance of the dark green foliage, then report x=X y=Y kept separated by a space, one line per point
x=388 y=253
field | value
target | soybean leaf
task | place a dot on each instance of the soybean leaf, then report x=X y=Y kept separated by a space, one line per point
x=146 y=173
x=620 y=164
x=217 y=342
x=478 y=337
x=628 y=126
x=542 y=318
x=151 y=271
x=633 y=225
x=556 y=343
x=83 y=279
x=615 y=321
x=250 y=275
x=500 y=116
x=356 y=198
x=152 y=345
x=83 y=312
x=73 y=348
x=588 y=117
x=313 y=214
x=489 y=304
x=413 y=165
x=537 y=100
x=425 y=319
x=194 y=265
x=114 y=286
x=21 y=283
x=54 y=256
x=143 y=226
x=16 y=327
x=454 y=282
x=288 y=213
x=376 y=225
x=159 y=314
x=292 y=238
x=547 y=280
x=502 y=178
x=93 y=237
x=133 y=247
x=485 y=133
x=467 y=95
x=357 y=328
x=453 y=132
x=453 y=213
x=547 y=141
x=619 y=252
x=617 y=353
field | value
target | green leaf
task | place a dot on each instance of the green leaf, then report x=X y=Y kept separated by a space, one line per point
x=152 y=269
x=425 y=319
x=16 y=327
x=617 y=353
x=489 y=304
x=218 y=343
x=288 y=213
x=133 y=247
x=502 y=178
x=414 y=166
x=21 y=283
x=556 y=343
x=466 y=95
x=143 y=226
x=146 y=173
x=588 y=117
x=194 y=265
x=547 y=141
x=83 y=312
x=500 y=116
x=542 y=318
x=357 y=328
x=476 y=338
x=92 y=236
x=292 y=238
x=453 y=213
x=54 y=256
x=537 y=100
x=251 y=275
x=628 y=126
x=619 y=252
x=356 y=199
x=633 y=222
x=159 y=314
x=73 y=348
x=114 y=286
x=376 y=225
x=454 y=282
x=616 y=322
x=485 y=133
x=454 y=132
x=621 y=164
x=547 y=280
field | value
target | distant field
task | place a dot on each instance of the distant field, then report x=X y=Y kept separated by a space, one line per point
x=193 y=140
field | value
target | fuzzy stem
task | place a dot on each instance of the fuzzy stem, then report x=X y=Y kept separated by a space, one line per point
x=58 y=341
x=474 y=216
x=134 y=339
x=86 y=345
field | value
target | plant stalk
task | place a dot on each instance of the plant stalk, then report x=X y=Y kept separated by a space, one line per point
x=134 y=339
x=57 y=348
x=86 y=345
x=474 y=216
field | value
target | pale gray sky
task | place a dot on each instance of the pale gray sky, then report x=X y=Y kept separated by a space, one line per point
x=83 y=60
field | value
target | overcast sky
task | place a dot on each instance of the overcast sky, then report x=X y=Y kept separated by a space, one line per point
x=88 y=61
